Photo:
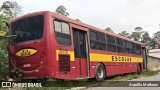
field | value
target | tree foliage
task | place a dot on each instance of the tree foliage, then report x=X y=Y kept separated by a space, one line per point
x=109 y=29
x=6 y=14
x=12 y=12
x=146 y=38
x=3 y=58
x=62 y=10
x=3 y=21
x=137 y=34
x=125 y=34
x=156 y=36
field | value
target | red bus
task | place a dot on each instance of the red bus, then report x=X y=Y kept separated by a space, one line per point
x=49 y=45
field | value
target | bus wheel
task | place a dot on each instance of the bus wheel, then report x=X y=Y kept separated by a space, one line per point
x=138 y=69
x=100 y=72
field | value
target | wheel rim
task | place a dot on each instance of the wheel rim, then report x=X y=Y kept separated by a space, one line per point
x=100 y=72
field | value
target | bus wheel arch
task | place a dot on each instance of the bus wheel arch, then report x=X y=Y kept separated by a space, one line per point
x=100 y=72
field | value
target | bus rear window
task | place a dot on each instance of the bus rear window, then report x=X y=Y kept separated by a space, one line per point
x=27 y=29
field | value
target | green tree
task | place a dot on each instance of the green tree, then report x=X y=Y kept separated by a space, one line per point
x=109 y=29
x=137 y=34
x=156 y=36
x=3 y=58
x=11 y=12
x=152 y=42
x=16 y=10
x=62 y=10
x=125 y=34
x=6 y=14
x=3 y=21
x=146 y=38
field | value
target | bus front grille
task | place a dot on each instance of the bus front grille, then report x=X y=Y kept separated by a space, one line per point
x=64 y=63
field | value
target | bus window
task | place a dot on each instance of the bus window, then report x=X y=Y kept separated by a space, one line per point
x=93 y=35
x=138 y=49
x=128 y=47
x=112 y=38
x=119 y=43
x=28 y=29
x=101 y=37
x=133 y=50
x=110 y=43
x=65 y=28
x=108 y=39
x=62 y=33
x=97 y=40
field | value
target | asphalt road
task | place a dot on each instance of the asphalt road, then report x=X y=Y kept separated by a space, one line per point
x=139 y=82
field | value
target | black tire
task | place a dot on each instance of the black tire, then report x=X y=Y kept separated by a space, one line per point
x=100 y=73
x=138 y=69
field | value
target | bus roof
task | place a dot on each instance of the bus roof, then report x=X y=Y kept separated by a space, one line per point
x=78 y=23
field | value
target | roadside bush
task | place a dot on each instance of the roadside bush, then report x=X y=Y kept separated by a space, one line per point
x=3 y=58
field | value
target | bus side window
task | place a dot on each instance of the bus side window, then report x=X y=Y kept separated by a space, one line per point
x=93 y=39
x=97 y=40
x=101 y=41
x=62 y=32
x=138 y=49
x=110 y=40
x=120 y=47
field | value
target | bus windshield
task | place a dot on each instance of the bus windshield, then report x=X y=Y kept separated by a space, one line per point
x=27 y=29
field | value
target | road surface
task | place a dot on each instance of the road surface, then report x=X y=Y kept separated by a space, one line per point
x=148 y=79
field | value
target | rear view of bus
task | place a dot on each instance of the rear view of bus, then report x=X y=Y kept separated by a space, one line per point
x=28 y=50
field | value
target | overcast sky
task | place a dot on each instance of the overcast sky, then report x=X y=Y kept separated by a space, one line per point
x=119 y=15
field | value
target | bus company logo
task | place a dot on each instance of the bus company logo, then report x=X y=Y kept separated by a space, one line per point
x=26 y=52
x=7 y=4
x=6 y=84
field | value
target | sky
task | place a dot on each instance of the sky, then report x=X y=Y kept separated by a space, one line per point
x=119 y=15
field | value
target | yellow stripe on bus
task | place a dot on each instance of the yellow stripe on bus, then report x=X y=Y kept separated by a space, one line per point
x=101 y=57
x=113 y=58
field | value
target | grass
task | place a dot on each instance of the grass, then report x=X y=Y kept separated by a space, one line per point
x=134 y=75
x=53 y=84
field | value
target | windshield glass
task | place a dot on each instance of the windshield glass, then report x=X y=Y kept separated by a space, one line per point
x=27 y=29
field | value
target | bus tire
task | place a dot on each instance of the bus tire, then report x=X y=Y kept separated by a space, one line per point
x=100 y=72
x=138 y=69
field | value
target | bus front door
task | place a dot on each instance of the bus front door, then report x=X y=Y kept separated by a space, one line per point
x=81 y=53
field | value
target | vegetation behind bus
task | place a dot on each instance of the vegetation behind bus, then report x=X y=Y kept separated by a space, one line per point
x=6 y=15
